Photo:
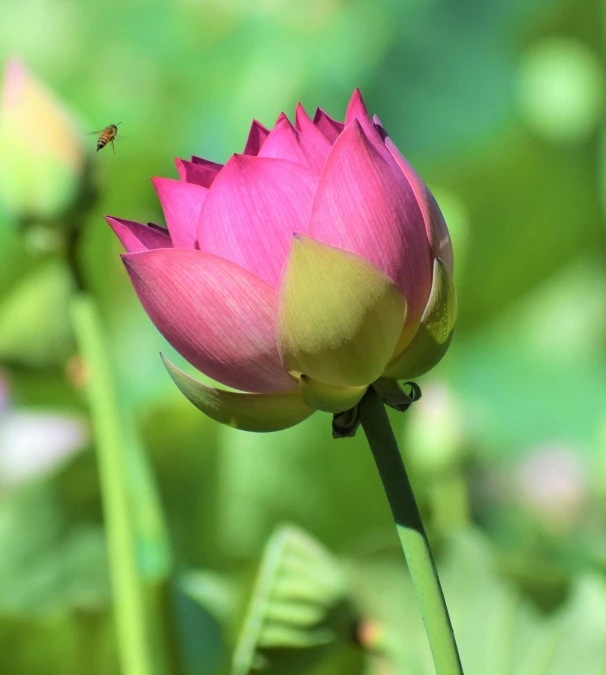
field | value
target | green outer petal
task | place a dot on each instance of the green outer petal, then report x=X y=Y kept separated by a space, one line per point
x=327 y=397
x=339 y=316
x=435 y=331
x=249 y=412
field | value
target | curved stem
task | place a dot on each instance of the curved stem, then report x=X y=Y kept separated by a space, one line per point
x=412 y=535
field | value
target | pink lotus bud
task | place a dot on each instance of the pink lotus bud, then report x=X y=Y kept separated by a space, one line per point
x=302 y=270
x=41 y=150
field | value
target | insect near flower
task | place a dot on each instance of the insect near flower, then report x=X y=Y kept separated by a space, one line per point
x=107 y=135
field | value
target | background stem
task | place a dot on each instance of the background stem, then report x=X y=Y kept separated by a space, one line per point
x=412 y=535
x=139 y=558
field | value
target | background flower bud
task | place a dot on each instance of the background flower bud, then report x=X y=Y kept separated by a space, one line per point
x=41 y=149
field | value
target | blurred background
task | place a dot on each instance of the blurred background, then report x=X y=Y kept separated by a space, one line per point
x=500 y=107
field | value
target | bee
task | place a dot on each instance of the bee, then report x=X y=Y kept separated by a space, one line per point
x=107 y=135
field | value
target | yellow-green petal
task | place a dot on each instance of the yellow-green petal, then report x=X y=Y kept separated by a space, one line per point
x=327 y=397
x=435 y=331
x=339 y=316
x=249 y=412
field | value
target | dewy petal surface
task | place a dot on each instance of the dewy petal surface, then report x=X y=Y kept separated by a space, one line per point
x=435 y=225
x=256 y=137
x=136 y=237
x=252 y=210
x=201 y=173
x=327 y=125
x=249 y=412
x=283 y=142
x=215 y=314
x=315 y=144
x=339 y=317
x=182 y=204
x=435 y=331
x=365 y=206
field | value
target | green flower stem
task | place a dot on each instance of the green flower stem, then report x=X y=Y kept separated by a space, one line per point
x=140 y=652
x=412 y=535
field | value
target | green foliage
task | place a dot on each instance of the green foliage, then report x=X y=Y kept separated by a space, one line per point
x=299 y=602
x=48 y=565
x=34 y=326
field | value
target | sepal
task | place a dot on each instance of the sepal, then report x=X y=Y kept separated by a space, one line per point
x=249 y=412
x=435 y=330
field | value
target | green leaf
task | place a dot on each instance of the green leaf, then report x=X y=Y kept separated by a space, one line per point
x=215 y=592
x=300 y=602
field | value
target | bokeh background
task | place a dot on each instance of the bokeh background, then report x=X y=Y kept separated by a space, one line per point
x=500 y=107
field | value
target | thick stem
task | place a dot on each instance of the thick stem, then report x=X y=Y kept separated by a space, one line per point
x=412 y=535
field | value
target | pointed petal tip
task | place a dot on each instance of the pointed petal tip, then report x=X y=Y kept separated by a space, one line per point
x=300 y=112
x=357 y=99
x=179 y=163
x=136 y=237
x=329 y=127
x=256 y=137
x=365 y=206
x=181 y=203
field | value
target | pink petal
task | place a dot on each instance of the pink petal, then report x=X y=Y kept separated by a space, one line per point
x=356 y=110
x=283 y=142
x=253 y=208
x=329 y=127
x=201 y=173
x=158 y=228
x=215 y=314
x=256 y=137
x=364 y=206
x=315 y=144
x=435 y=225
x=182 y=204
x=206 y=162
x=137 y=237
x=379 y=127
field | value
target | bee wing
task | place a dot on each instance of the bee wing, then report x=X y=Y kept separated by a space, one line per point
x=90 y=133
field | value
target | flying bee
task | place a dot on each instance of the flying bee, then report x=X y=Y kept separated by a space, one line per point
x=107 y=135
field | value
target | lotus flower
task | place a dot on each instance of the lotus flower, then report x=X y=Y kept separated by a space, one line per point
x=299 y=272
